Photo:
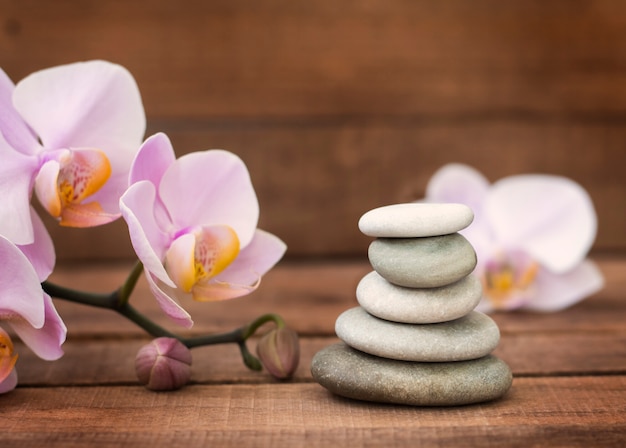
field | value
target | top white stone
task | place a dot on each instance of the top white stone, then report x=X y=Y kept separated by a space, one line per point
x=414 y=220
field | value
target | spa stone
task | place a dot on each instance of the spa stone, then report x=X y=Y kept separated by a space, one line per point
x=427 y=262
x=353 y=374
x=418 y=306
x=469 y=337
x=415 y=220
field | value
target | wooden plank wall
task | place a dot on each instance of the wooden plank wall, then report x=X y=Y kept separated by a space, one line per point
x=341 y=106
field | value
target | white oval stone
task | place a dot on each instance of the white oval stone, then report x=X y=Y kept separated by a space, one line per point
x=415 y=220
x=353 y=374
x=472 y=336
x=427 y=262
x=418 y=306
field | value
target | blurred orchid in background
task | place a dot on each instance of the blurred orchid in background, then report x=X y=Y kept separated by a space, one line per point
x=531 y=234
x=70 y=134
x=24 y=306
x=193 y=224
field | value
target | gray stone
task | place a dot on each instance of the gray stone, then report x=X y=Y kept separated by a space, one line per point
x=353 y=374
x=423 y=262
x=415 y=220
x=418 y=306
x=472 y=336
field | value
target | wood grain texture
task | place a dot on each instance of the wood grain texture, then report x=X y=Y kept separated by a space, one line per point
x=296 y=58
x=557 y=412
x=569 y=384
x=586 y=338
x=111 y=361
x=310 y=296
x=339 y=108
x=336 y=108
x=317 y=180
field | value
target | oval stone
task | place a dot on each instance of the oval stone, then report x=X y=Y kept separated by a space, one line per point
x=415 y=220
x=423 y=262
x=353 y=374
x=469 y=337
x=418 y=306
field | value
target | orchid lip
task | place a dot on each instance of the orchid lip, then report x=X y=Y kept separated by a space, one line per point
x=65 y=184
x=508 y=279
x=8 y=357
x=84 y=174
x=195 y=258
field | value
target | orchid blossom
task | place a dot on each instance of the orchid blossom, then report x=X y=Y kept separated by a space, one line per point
x=69 y=133
x=24 y=307
x=531 y=234
x=193 y=225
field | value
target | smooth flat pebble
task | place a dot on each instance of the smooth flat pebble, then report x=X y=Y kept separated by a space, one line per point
x=418 y=306
x=427 y=262
x=469 y=337
x=415 y=220
x=353 y=374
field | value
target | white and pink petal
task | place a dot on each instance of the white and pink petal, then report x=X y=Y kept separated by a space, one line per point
x=217 y=291
x=211 y=188
x=554 y=292
x=17 y=172
x=14 y=129
x=20 y=289
x=147 y=236
x=165 y=297
x=94 y=104
x=550 y=217
x=154 y=157
x=40 y=252
x=44 y=341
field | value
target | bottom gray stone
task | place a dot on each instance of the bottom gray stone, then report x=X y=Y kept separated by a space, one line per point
x=354 y=374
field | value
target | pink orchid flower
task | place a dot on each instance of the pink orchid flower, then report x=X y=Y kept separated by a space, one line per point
x=70 y=134
x=193 y=224
x=531 y=234
x=24 y=306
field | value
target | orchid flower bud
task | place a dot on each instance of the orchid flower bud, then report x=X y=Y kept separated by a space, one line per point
x=279 y=351
x=163 y=364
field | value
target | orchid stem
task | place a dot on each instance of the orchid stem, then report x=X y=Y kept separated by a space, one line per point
x=119 y=301
x=99 y=300
x=152 y=328
x=128 y=287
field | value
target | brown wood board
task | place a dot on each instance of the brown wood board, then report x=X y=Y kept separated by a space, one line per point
x=569 y=385
x=338 y=108
x=569 y=411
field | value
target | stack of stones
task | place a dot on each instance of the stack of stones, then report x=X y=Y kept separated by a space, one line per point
x=415 y=338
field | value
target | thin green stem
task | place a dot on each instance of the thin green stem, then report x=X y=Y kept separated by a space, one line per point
x=235 y=336
x=152 y=328
x=253 y=326
x=128 y=287
x=100 y=300
x=119 y=301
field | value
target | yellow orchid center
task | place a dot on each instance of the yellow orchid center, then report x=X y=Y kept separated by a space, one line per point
x=195 y=258
x=507 y=278
x=7 y=355
x=81 y=174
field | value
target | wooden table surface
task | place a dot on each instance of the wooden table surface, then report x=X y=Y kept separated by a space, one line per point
x=569 y=385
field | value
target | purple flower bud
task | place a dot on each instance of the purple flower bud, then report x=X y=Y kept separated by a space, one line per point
x=279 y=351
x=163 y=364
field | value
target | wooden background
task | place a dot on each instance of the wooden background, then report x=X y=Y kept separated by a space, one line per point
x=341 y=106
